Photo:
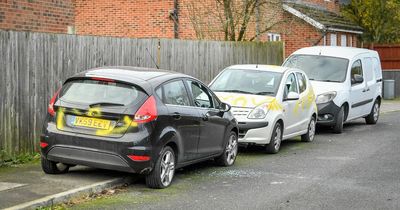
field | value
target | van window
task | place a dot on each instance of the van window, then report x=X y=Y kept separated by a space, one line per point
x=290 y=85
x=302 y=82
x=356 y=68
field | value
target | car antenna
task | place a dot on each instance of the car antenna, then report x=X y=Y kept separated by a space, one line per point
x=152 y=59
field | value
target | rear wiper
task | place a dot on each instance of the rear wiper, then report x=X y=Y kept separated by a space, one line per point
x=105 y=104
x=234 y=91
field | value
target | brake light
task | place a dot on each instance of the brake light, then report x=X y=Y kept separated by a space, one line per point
x=147 y=112
x=50 y=108
x=43 y=144
x=139 y=157
x=102 y=79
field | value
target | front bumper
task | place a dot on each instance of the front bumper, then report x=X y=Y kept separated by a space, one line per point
x=97 y=152
x=327 y=113
x=257 y=132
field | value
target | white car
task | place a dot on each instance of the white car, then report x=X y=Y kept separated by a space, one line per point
x=347 y=82
x=270 y=103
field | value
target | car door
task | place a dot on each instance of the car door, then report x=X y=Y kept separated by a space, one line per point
x=358 y=91
x=213 y=125
x=291 y=108
x=370 y=84
x=183 y=117
x=305 y=101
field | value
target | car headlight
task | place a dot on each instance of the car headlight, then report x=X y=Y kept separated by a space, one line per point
x=325 y=97
x=260 y=112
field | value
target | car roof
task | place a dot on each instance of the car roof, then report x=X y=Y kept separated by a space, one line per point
x=273 y=68
x=144 y=77
x=334 y=51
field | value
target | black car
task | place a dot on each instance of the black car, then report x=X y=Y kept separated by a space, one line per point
x=138 y=120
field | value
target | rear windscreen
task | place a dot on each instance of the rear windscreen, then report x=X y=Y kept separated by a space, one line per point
x=100 y=92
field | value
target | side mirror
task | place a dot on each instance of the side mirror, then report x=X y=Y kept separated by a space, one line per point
x=357 y=79
x=292 y=96
x=224 y=107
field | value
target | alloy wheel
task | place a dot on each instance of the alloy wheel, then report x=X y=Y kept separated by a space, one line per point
x=311 y=130
x=167 y=168
x=231 y=149
x=278 y=138
x=376 y=111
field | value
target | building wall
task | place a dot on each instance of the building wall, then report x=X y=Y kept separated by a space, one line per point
x=121 y=18
x=37 y=15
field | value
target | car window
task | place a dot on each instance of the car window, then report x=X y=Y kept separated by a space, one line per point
x=201 y=96
x=356 y=69
x=174 y=93
x=302 y=82
x=290 y=85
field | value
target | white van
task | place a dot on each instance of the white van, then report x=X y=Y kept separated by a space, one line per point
x=346 y=80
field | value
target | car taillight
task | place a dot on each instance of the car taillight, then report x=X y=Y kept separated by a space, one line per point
x=147 y=112
x=43 y=144
x=50 y=108
x=102 y=79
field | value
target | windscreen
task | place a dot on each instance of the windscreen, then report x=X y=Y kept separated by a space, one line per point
x=320 y=68
x=247 y=82
x=94 y=92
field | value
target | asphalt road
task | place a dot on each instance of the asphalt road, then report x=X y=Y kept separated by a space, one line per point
x=359 y=169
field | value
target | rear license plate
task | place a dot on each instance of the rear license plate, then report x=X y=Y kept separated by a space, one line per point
x=92 y=123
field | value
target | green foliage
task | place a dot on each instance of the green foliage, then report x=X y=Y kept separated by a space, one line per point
x=379 y=18
x=8 y=160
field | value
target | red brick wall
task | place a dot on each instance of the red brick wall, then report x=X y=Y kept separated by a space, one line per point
x=37 y=15
x=122 y=18
x=332 y=5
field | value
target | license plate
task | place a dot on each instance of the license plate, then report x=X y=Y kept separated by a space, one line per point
x=92 y=123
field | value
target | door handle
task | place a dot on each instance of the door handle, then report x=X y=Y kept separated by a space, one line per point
x=365 y=90
x=176 y=115
x=206 y=116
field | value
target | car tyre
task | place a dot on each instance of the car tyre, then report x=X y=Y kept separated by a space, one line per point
x=229 y=155
x=373 y=116
x=338 y=127
x=163 y=172
x=51 y=167
x=276 y=140
x=309 y=136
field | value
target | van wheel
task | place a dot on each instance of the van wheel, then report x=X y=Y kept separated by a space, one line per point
x=230 y=152
x=309 y=136
x=51 y=167
x=276 y=140
x=338 y=127
x=163 y=172
x=373 y=116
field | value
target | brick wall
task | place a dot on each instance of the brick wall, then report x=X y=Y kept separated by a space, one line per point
x=37 y=15
x=121 y=18
x=332 y=5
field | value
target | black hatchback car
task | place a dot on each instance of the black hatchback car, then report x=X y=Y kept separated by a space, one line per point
x=138 y=120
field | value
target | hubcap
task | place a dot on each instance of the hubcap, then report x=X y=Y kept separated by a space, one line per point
x=278 y=138
x=231 y=149
x=167 y=168
x=376 y=112
x=311 y=130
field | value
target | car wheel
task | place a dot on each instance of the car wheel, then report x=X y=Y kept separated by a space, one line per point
x=309 y=136
x=228 y=157
x=373 y=116
x=338 y=127
x=51 y=167
x=276 y=140
x=163 y=172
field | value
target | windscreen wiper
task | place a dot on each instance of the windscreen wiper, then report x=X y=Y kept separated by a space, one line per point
x=234 y=91
x=264 y=93
x=105 y=104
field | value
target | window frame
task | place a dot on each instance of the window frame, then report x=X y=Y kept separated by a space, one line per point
x=284 y=84
x=300 y=74
x=351 y=71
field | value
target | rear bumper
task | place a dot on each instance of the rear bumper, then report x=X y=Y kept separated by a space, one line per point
x=327 y=113
x=96 y=152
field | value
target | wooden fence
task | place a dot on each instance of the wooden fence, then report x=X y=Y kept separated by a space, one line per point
x=389 y=55
x=33 y=66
